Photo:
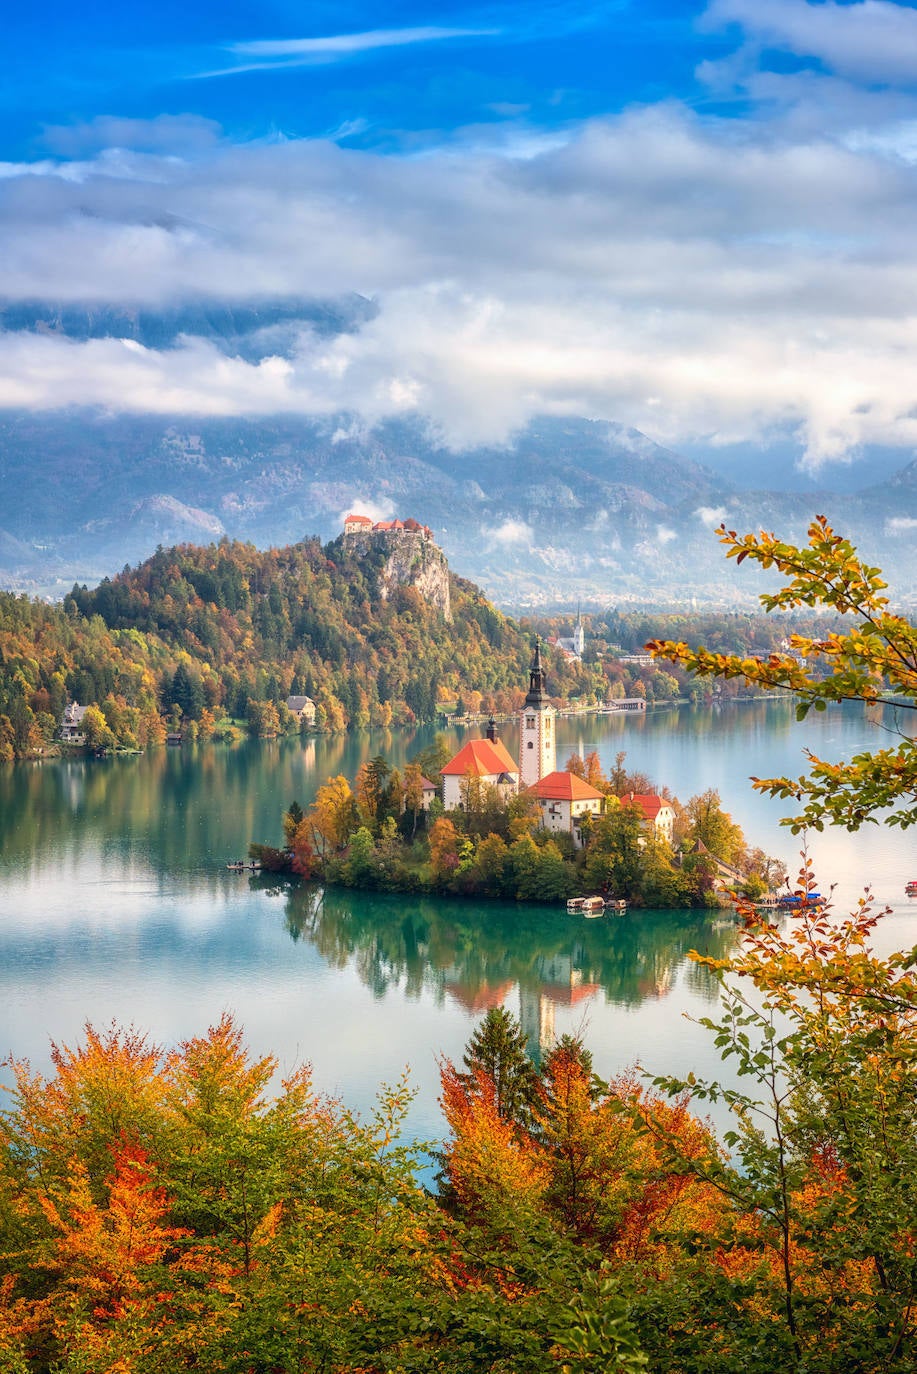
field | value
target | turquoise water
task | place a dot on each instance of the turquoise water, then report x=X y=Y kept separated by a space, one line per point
x=116 y=905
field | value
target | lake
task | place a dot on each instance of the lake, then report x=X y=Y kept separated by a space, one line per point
x=116 y=905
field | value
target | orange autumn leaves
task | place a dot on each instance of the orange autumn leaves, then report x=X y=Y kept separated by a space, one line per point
x=588 y=1160
x=144 y=1196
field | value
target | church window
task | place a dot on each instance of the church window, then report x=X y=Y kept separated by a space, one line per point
x=530 y=745
x=530 y=722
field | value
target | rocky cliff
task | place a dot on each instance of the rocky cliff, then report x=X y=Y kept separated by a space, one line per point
x=409 y=559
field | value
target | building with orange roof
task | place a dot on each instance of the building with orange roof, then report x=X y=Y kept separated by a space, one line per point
x=658 y=814
x=488 y=760
x=564 y=799
x=357 y=524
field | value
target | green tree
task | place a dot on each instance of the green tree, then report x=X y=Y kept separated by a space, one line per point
x=614 y=858
x=874 y=661
x=292 y=819
x=710 y=825
x=497 y=1048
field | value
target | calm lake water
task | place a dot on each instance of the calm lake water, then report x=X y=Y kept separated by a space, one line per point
x=115 y=904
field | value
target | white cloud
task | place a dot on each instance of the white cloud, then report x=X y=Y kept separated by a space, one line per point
x=341 y=44
x=711 y=516
x=664 y=535
x=163 y=134
x=376 y=510
x=900 y=524
x=683 y=276
x=512 y=532
x=271 y=53
x=871 y=39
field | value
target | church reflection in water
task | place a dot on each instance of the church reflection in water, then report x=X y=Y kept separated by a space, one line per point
x=535 y=960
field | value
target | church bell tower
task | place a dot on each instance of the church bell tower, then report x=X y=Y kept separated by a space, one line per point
x=537 y=754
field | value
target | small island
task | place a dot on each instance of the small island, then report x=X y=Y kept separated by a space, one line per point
x=482 y=823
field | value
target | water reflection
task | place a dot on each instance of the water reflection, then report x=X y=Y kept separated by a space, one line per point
x=475 y=954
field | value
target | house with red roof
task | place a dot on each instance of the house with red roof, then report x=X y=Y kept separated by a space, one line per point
x=658 y=814
x=564 y=799
x=488 y=760
x=357 y=524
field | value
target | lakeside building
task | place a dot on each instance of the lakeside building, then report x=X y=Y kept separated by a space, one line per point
x=537 y=746
x=303 y=708
x=572 y=646
x=71 y=728
x=563 y=797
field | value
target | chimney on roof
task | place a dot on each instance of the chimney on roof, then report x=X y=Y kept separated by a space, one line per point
x=492 y=730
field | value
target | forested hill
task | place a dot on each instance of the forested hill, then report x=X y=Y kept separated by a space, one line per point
x=231 y=630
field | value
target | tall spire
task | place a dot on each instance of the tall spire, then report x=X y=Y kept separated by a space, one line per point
x=536 y=694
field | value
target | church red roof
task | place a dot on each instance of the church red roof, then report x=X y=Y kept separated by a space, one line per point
x=564 y=786
x=482 y=758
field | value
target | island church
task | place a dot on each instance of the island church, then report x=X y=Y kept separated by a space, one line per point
x=563 y=797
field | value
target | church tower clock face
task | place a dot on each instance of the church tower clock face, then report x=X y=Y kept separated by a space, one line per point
x=537 y=754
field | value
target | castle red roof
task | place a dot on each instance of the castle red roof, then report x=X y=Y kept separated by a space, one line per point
x=358 y=520
x=564 y=786
x=482 y=758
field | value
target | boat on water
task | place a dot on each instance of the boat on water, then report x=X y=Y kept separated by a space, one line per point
x=586 y=906
x=911 y=888
x=595 y=906
x=244 y=866
x=802 y=901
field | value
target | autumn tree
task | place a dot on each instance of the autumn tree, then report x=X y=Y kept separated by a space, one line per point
x=371 y=789
x=333 y=816
x=444 y=849
x=292 y=819
x=413 y=794
x=874 y=661
x=821 y=1186
x=708 y=824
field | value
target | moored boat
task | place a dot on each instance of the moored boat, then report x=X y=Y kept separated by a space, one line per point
x=911 y=888
x=593 y=906
x=586 y=906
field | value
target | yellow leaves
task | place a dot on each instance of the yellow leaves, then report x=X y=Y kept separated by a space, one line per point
x=213 y=1073
x=489 y=1162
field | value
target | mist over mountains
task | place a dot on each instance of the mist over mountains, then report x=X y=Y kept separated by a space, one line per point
x=570 y=510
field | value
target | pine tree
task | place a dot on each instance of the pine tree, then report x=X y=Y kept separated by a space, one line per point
x=498 y=1048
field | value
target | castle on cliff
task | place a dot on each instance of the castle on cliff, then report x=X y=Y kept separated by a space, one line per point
x=361 y=525
x=410 y=557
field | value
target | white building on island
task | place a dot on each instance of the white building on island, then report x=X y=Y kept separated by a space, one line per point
x=565 y=798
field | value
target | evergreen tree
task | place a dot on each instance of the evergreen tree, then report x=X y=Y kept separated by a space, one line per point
x=498 y=1048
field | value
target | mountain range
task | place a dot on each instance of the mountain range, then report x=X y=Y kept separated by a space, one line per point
x=571 y=510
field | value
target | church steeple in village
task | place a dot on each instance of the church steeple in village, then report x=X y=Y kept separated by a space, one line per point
x=537 y=754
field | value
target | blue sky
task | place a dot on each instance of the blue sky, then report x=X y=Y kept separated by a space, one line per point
x=404 y=74
x=695 y=218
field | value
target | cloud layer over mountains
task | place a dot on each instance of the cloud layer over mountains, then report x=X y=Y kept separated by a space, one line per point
x=696 y=275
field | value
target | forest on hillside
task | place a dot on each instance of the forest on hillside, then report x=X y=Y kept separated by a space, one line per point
x=198 y=636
